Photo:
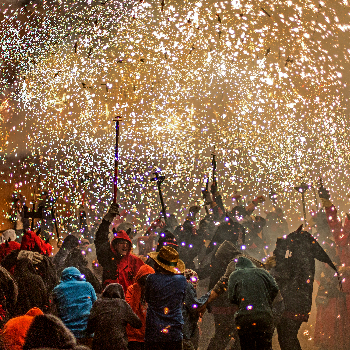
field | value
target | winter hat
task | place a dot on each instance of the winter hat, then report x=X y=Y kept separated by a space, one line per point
x=191 y=277
x=48 y=331
x=166 y=238
x=9 y=234
x=168 y=259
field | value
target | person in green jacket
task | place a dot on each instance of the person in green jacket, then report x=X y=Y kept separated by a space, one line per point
x=253 y=290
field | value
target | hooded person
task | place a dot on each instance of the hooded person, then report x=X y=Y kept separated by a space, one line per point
x=253 y=290
x=73 y=299
x=69 y=243
x=165 y=292
x=225 y=260
x=108 y=319
x=135 y=297
x=15 y=330
x=294 y=272
x=32 y=291
x=48 y=332
x=119 y=264
x=76 y=258
x=8 y=296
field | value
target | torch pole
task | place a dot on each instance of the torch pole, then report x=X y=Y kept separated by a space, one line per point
x=116 y=159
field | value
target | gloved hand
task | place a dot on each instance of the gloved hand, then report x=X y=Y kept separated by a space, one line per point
x=34 y=257
x=258 y=200
x=323 y=193
x=214 y=188
x=206 y=197
x=326 y=203
x=112 y=212
x=270 y=262
x=194 y=209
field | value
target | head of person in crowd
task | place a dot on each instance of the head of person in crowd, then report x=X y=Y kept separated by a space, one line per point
x=113 y=290
x=49 y=332
x=70 y=242
x=121 y=244
x=31 y=241
x=167 y=261
x=166 y=238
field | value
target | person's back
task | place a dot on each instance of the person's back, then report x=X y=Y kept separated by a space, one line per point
x=165 y=292
x=108 y=319
x=74 y=298
x=253 y=290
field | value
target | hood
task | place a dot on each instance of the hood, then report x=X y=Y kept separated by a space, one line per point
x=32 y=242
x=143 y=271
x=48 y=331
x=244 y=263
x=113 y=290
x=120 y=235
x=227 y=251
x=70 y=242
x=9 y=234
x=71 y=273
x=35 y=311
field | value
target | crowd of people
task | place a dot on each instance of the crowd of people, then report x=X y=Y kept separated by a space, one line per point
x=122 y=291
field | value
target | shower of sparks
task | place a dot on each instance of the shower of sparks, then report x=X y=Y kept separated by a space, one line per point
x=264 y=82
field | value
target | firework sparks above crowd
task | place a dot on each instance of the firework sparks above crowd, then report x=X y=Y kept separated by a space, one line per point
x=263 y=82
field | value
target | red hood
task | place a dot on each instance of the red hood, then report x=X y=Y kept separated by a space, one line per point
x=144 y=270
x=35 y=311
x=30 y=241
x=120 y=235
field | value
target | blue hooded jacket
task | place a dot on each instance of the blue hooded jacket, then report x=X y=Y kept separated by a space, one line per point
x=74 y=298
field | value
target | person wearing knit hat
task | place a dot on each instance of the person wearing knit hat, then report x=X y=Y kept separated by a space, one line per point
x=190 y=312
x=48 y=332
x=164 y=293
x=135 y=297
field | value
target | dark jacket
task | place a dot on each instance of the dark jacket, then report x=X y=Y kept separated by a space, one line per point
x=253 y=290
x=295 y=271
x=77 y=259
x=165 y=295
x=69 y=243
x=108 y=319
x=116 y=268
x=74 y=298
x=190 y=310
x=31 y=288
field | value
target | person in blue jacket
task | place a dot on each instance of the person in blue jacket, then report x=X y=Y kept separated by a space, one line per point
x=165 y=292
x=73 y=299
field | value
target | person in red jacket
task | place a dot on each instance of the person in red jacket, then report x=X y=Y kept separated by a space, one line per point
x=118 y=263
x=135 y=297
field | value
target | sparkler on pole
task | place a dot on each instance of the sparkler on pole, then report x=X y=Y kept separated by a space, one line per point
x=160 y=180
x=302 y=188
x=116 y=157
